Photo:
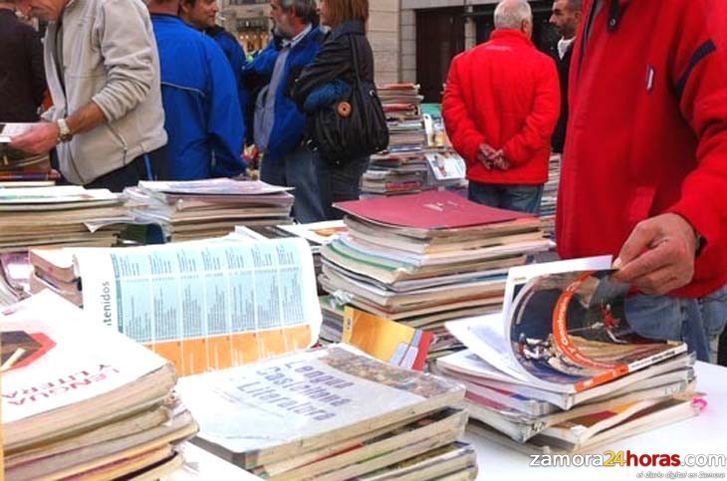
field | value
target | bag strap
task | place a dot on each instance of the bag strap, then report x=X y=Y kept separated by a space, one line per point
x=357 y=73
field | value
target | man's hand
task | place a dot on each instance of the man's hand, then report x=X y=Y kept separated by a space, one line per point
x=41 y=138
x=658 y=256
x=488 y=156
x=500 y=162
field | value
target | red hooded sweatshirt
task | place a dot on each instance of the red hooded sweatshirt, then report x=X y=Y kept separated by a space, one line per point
x=647 y=132
x=503 y=93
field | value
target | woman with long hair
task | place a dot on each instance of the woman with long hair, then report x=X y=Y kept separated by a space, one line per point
x=329 y=79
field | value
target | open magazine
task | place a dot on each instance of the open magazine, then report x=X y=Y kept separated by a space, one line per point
x=563 y=329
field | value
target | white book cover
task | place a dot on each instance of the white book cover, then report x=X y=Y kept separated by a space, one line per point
x=53 y=357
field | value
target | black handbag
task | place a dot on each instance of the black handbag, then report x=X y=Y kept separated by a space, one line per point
x=353 y=127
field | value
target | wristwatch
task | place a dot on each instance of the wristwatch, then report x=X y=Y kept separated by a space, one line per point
x=64 y=132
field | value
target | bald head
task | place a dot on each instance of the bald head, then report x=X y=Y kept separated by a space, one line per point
x=515 y=15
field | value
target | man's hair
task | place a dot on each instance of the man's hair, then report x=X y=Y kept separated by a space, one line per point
x=512 y=13
x=575 y=5
x=306 y=10
x=340 y=11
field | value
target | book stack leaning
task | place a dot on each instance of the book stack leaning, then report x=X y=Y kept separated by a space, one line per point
x=564 y=370
x=332 y=414
x=81 y=401
x=426 y=258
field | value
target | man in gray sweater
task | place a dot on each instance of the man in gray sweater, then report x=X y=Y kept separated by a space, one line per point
x=107 y=121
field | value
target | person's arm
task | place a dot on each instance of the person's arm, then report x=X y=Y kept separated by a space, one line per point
x=462 y=131
x=332 y=61
x=128 y=51
x=540 y=122
x=225 y=127
x=659 y=255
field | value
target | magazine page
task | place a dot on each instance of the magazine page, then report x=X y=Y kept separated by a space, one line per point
x=302 y=395
x=8 y=130
x=53 y=356
x=220 y=186
x=317 y=232
x=573 y=325
x=206 y=305
x=446 y=166
x=489 y=338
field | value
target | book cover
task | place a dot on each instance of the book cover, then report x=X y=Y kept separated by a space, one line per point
x=390 y=341
x=263 y=413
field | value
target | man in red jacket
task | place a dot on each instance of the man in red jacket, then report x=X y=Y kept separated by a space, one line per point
x=644 y=174
x=500 y=108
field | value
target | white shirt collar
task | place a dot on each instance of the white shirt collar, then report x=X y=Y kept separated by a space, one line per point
x=563 y=46
x=294 y=41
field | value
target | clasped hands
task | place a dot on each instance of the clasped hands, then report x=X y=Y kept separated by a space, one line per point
x=492 y=159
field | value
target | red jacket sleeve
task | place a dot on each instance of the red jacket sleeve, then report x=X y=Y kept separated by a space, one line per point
x=462 y=131
x=700 y=70
x=540 y=123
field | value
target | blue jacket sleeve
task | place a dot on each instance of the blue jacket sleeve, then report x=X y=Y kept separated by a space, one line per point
x=225 y=127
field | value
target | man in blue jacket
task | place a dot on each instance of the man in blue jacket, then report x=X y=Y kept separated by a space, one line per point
x=202 y=15
x=200 y=98
x=279 y=124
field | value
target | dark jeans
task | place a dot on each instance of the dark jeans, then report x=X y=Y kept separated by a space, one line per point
x=151 y=166
x=340 y=182
x=300 y=171
x=523 y=198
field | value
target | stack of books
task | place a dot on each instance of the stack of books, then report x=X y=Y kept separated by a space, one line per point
x=550 y=196
x=80 y=401
x=58 y=216
x=426 y=258
x=402 y=168
x=200 y=209
x=310 y=416
x=565 y=371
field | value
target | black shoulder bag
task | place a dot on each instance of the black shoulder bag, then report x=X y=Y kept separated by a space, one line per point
x=353 y=127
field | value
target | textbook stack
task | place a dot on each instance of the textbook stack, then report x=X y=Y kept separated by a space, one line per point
x=310 y=416
x=550 y=196
x=426 y=258
x=59 y=215
x=82 y=402
x=200 y=209
x=565 y=371
x=402 y=168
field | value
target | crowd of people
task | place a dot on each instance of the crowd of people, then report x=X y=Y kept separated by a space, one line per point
x=639 y=114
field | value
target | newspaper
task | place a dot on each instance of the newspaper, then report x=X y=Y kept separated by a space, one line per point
x=206 y=305
x=563 y=328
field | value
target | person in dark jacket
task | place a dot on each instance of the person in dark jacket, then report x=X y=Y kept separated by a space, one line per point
x=22 y=76
x=328 y=79
x=279 y=124
x=566 y=18
x=202 y=15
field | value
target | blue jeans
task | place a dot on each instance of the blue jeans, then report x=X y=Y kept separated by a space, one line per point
x=340 y=183
x=698 y=322
x=298 y=169
x=523 y=198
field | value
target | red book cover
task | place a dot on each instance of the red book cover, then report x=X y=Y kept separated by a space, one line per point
x=427 y=210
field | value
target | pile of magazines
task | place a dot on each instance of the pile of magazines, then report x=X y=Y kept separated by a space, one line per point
x=562 y=369
x=426 y=258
